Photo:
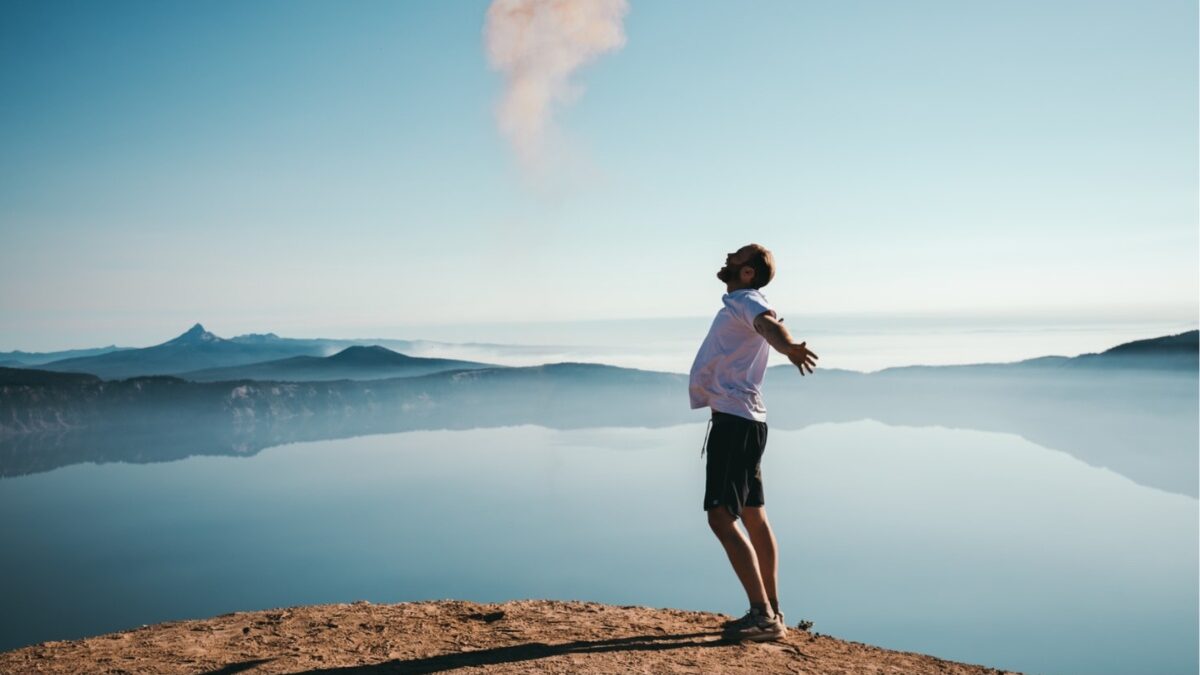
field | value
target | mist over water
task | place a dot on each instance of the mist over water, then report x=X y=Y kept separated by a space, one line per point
x=865 y=343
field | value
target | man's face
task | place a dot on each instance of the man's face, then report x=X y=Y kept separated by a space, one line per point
x=734 y=263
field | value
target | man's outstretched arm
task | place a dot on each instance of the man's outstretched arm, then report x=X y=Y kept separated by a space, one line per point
x=777 y=336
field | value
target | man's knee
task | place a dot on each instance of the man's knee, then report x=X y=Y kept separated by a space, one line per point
x=721 y=521
x=755 y=518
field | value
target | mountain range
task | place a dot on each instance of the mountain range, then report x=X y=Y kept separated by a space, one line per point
x=352 y=363
x=201 y=355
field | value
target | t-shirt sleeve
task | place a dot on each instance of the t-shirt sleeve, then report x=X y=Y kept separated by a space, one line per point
x=749 y=306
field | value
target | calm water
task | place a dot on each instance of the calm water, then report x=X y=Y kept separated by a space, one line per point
x=973 y=546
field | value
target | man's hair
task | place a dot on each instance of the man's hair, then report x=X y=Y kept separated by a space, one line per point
x=764 y=266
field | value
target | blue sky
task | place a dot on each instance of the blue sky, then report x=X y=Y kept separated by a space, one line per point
x=335 y=169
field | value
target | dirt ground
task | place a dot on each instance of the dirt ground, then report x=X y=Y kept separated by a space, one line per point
x=526 y=636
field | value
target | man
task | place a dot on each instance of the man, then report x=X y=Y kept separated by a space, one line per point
x=726 y=377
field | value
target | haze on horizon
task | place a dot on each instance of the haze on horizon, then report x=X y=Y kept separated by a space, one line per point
x=302 y=169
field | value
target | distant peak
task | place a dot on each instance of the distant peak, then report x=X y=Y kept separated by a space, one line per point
x=195 y=335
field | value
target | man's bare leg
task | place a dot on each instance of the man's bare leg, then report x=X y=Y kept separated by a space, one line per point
x=741 y=554
x=763 y=540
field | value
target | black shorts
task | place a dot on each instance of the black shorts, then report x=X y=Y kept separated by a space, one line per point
x=733 y=476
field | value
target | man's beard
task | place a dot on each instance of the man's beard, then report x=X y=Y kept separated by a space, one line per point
x=725 y=274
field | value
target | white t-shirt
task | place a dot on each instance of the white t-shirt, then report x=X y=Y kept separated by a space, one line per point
x=728 y=371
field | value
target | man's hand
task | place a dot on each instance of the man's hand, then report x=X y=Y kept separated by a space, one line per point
x=800 y=355
x=771 y=328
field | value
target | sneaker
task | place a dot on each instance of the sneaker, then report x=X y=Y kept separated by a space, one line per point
x=755 y=625
x=734 y=623
x=745 y=620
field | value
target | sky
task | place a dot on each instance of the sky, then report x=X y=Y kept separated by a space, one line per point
x=338 y=170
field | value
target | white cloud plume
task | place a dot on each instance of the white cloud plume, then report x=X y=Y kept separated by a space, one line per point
x=538 y=45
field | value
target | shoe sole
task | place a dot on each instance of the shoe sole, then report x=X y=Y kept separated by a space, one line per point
x=764 y=636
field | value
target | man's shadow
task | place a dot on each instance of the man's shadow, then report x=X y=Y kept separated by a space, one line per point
x=525 y=652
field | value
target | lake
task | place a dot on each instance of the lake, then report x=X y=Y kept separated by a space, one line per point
x=973 y=546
